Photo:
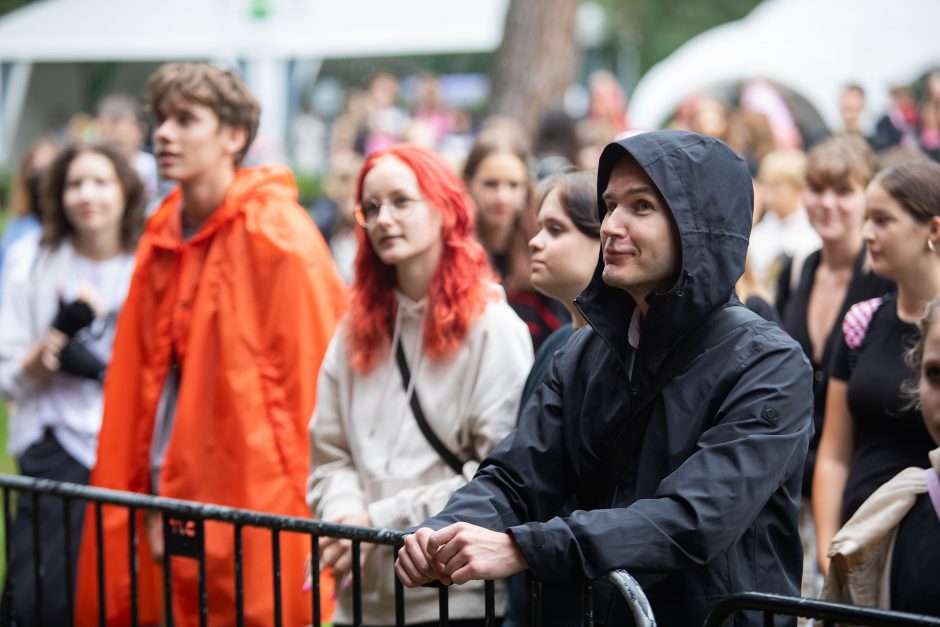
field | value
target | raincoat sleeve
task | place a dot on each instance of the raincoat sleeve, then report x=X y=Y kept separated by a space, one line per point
x=503 y=359
x=758 y=439
x=333 y=487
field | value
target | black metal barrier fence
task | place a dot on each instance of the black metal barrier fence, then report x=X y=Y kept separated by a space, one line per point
x=829 y=614
x=183 y=535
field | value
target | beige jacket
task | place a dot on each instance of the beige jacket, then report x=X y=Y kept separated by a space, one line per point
x=860 y=553
x=368 y=454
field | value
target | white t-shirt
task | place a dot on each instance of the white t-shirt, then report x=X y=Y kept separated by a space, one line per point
x=774 y=237
x=69 y=405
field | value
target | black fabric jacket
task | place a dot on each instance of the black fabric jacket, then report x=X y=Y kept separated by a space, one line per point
x=709 y=505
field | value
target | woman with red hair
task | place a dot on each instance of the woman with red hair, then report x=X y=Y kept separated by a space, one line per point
x=428 y=338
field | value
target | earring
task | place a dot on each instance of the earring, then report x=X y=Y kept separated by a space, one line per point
x=931 y=245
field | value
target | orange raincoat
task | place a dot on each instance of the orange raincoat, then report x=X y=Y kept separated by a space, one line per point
x=248 y=305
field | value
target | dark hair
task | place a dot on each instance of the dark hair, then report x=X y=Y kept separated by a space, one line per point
x=56 y=226
x=223 y=91
x=121 y=106
x=26 y=183
x=556 y=135
x=915 y=185
x=577 y=192
x=500 y=140
x=839 y=160
x=854 y=87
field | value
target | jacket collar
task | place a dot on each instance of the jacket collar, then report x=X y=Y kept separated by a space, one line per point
x=249 y=186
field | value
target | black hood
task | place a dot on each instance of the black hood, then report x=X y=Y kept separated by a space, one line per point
x=709 y=192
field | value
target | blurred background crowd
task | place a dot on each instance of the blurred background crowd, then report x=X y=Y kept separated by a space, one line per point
x=511 y=93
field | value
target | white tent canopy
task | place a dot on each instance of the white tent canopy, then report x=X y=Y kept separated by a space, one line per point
x=264 y=39
x=814 y=47
x=128 y=30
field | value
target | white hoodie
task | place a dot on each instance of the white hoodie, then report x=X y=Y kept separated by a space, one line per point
x=368 y=453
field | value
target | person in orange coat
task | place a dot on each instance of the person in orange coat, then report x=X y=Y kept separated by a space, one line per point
x=231 y=307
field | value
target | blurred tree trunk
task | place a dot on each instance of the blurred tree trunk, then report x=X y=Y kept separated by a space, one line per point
x=536 y=61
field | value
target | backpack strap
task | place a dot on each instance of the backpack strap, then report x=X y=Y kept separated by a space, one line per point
x=857 y=320
x=719 y=324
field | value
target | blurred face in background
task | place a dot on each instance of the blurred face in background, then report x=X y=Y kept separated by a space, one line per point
x=563 y=257
x=499 y=188
x=835 y=210
x=710 y=117
x=92 y=196
x=124 y=131
x=779 y=194
x=851 y=106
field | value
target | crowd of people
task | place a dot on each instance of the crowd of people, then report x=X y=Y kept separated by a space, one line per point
x=707 y=355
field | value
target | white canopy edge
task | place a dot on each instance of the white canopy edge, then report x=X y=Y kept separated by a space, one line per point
x=158 y=30
x=814 y=47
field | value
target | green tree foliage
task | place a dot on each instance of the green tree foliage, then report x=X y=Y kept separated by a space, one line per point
x=658 y=27
x=9 y=5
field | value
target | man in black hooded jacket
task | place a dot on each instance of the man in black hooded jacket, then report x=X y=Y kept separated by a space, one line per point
x=706 y=504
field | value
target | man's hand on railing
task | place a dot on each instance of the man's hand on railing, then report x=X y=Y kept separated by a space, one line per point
x=457 y=554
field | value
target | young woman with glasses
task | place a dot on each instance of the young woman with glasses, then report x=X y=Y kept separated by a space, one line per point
x=428 y=335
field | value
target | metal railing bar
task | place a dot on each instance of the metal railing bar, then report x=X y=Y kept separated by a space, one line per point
x=315 y=578
x=276 y=572
x=587 y=603
x=399 y=597
x=631 y=591
x=357 y=583
x=443 y=601
x=69 y=568
x=8 y=617
x=489 y=603
x=132 y=559
x=239 y=581
x=38 y=570
x=811 y=608
x=536 y=603
x=99 y=542
x=202 y=511
x=167 y=579
x=202 y=583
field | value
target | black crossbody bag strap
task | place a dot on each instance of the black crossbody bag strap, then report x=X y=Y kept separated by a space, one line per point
x=452 y=460
x=718 y=324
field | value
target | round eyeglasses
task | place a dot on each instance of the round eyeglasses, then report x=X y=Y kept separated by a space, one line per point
x=367 y=211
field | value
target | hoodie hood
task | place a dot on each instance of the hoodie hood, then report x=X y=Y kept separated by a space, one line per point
x=260 y=185
x=708 y=190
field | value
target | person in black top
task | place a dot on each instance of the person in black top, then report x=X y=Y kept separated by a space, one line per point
x=827 y=282
x=833 y=278
x=869 y=432
x=918 y=539
x=886 y=555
